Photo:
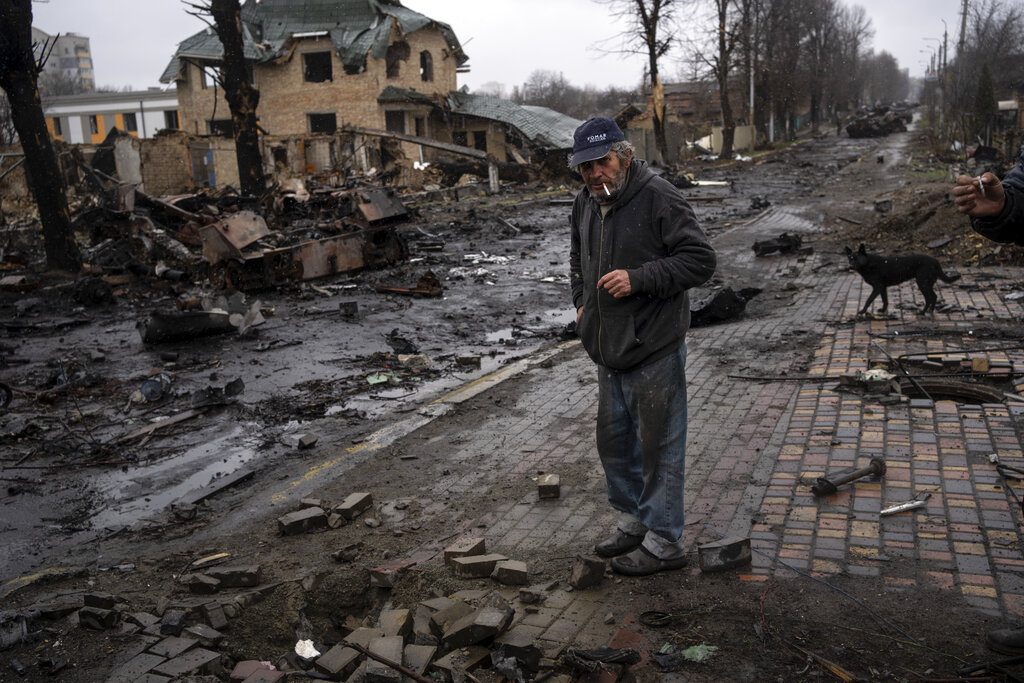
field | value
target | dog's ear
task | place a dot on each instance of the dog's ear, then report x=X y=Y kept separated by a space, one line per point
x=861 y=249
x=847 y=251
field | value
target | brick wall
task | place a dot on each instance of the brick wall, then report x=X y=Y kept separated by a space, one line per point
x=286 y=99
x=166 y=164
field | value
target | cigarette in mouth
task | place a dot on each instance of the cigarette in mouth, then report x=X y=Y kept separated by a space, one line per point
x=981 y=186
x=610 y=194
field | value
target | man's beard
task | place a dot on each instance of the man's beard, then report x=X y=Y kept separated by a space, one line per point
x=614 y=187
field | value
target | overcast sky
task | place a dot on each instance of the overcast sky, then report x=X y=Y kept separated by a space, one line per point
x=133 y=40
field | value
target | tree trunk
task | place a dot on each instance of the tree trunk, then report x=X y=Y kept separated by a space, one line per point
x=241 y=95
x=724 y=57
x=18 y=74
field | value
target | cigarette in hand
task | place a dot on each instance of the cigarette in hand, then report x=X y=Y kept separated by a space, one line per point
x=610 y=194
x=981 y=186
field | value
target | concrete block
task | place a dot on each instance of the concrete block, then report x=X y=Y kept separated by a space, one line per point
x=307 y=441
x=512 y=573
x=387 y=574
x=586 y=572
x=336 y=521
x=136 y=667
x=266 y=676
x=309 y=519
x=201 y=584
x=237 y=576
x=312 y=503
x=246 y=668
x=354 y=505
x=463 y=659
x=549 y=486
x=442 y=619
x=728 y=553
x=464 y=548
x=476 y=627
x=395 y=622
x=471 y=595
x=98 y=619
x=980 y=364
x=519 y=643
x=421 y=631
x=172 y=646
x=172 y=623
x=207 y=636
x=390 y=648
x=339 y=662
x=418 y=657
x=437 y=604
x=215 y=617
x=476 y=566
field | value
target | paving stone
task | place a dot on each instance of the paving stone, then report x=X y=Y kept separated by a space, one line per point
x=152 y=678
x=387 y=574
x=476 y=566
x=476 y=627
x=354 y=505
x=418 y=657
x=437 y=604
x=194 y=660
x=441 y=620
x=727 y=553
x=172 y=646
x=99 y=600
x=470 y=595
x=172 y=623
x=339 y=662
x=390 y=648
x=97 y=619
x=135 y=668
x=206 y=635
x=463 y=548
x=266 y=676
x=512 y=573
x=586 y=572
x=463 y=659
x=519 y=642
x=246 y=668
x=237 y=576
x=336 y=521
x=57 y=609
x=302 y=521
x=364 y=636
x=215 y=617
x=307 y=441
x=395 y=622
x=201 y=584
x=549 y=486
x=421 y=630
x=142 y=619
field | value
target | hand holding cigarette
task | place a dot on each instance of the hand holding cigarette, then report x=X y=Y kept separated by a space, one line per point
x=979 y=197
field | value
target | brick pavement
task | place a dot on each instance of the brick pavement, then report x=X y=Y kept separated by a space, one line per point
x=754 y=448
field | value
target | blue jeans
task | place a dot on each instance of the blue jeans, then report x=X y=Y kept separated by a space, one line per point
x=641 y=439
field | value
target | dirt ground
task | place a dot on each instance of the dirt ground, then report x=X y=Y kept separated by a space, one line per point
x=79 y=498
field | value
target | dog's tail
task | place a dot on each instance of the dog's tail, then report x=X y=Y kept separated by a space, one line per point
x=951 y=276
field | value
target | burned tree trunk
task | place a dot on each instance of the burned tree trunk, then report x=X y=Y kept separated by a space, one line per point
x=19 y=72
x=241 y=95
x=725 y=48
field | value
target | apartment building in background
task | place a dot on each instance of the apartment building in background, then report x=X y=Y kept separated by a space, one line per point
x=71 y=56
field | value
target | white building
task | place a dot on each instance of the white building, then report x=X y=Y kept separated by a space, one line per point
x=70 y=56
x=88 y=117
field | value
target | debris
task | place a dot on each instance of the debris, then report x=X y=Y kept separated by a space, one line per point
x=548 y=486
x=512 y=573
x=586 y=572
x=218 y=396
x=172 y=326
x=919 y=502
x=306 y=649
x=727 y=553
x=463 y=548
x=468 y=362
x=725 y=304
x=240 y=576
x=667 y=660
x=339 y=662
x=385 y=667
x=354 y=505
x=480 y=625
x=400 y=344
x=520 y=644
x=302 y=521
x=13 y=628
x=307 y=441
x=213 y=488
x=939 y=243
x=193 y=660
x=476 y=566
x=427 y=286
x=883 y=205
x=785 y=243
x=825 y=486
x=97 y=618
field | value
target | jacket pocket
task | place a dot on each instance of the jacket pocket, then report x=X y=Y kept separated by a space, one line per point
x=618 y=340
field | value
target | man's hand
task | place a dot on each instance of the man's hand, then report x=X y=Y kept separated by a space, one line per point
x=579 y=315
x=979 y=197
x=617 y=283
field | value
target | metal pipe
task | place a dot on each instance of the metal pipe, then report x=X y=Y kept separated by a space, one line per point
x=824 y=486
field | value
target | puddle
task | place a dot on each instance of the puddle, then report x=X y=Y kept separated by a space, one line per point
x=552 y=317
x=147 y=489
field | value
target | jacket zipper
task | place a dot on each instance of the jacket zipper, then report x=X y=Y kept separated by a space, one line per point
x=597 y=294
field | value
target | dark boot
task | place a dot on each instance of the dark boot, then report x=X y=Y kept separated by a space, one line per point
x=641 y=562
x=618 y=543
x=1007 y=641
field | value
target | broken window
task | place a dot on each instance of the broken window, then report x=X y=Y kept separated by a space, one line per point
x=460 y=137
x=94 y=124
x=222 y=127
x=397 y=52
x=421 y=129
x=426 y=66
x=171 y=119
x=203 y=82
x=394 y=121
x=316 y=67
x=480 y=140
x=130 y=123
x=323 y=123
x=58 y=130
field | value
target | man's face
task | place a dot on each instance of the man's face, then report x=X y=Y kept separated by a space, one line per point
x=608 y=171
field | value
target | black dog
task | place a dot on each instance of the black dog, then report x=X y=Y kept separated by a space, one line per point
x=885 y=271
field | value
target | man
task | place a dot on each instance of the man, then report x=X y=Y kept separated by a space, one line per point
x=636 y=250
x=996 y=210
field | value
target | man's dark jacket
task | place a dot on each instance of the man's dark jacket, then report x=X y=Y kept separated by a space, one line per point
x=1008 y=226
x=650 y=231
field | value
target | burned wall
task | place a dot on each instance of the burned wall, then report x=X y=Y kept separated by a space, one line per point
x=166 y=164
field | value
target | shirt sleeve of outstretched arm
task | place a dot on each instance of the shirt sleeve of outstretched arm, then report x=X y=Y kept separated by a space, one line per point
x=690 y=261
x=575 y=267
x=1008 y=226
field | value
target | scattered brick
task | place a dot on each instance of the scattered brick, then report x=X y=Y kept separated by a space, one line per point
x=302 y=521
x=173 y=646
x=97 y=619
x=465 y=659
x=354 y=505
x=395 y=622
x=99 y=600
x=193 y=660
x=442 y=619
x=512 y=573
x=476 y=566
x=201 y=584
x=215 y=617
x=549 y=486
x=172 y=623
x=390 y=648
x=307 y=441
x=418 y=657
x=463 y=548
x=364 y=636
x=239 y=576
x=206 y=635
x=339 y=662
x=586 y=572
x=519 y=643
x=478 y=626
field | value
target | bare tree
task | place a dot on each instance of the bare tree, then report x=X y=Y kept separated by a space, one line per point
x=241 y=94
x=54 y=83
x=8 y=136
x=731 y=20
x=650 y=31
x=19 y=71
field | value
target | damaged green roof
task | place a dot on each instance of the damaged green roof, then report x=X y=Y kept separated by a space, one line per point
x=356 y=28
x=543 y=127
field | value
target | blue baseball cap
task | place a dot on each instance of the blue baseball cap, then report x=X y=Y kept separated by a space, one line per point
x=593 y=139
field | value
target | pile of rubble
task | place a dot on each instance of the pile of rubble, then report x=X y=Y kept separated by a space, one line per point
x=880 y=121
